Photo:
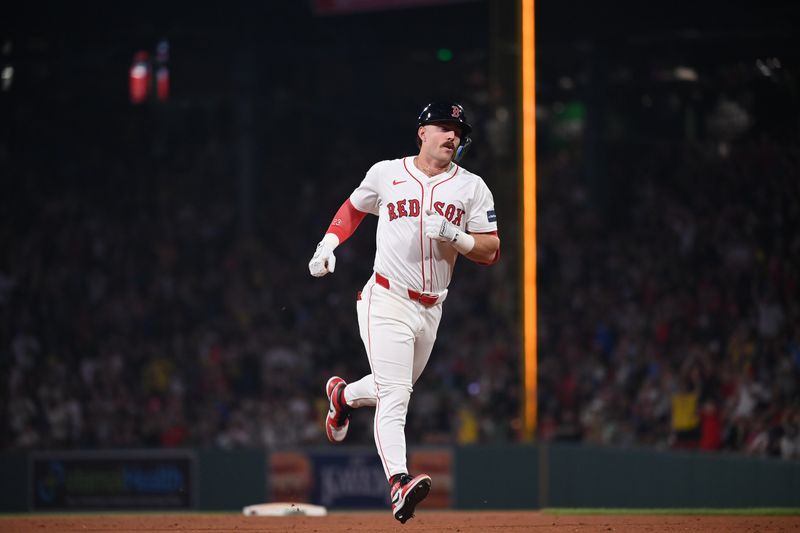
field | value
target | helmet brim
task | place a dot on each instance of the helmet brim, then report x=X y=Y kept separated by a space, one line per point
x=466 y=129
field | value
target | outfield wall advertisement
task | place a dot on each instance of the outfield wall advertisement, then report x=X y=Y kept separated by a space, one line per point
x=112 y=480
x=352 y=478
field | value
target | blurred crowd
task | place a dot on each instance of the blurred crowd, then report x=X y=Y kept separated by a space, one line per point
x=131 y=322
x=676 y=321
x=154 y=289
x=127 y=329
x=141 y=309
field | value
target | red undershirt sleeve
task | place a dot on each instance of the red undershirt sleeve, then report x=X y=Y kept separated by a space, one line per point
x=345 y=221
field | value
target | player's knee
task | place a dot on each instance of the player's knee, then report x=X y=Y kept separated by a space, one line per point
x=362 y=402
x=393 y=388
x=395 y=394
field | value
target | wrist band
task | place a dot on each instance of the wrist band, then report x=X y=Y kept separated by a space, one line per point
x=331 y=239
x=463 y=242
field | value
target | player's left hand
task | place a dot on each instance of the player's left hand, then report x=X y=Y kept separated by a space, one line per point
x=437 y=227
x=323 y=261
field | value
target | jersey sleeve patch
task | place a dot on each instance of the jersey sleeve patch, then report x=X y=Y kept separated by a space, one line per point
x=491 y=216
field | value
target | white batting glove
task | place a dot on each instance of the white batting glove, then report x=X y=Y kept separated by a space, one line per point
x=437 y=227
x=324 y=261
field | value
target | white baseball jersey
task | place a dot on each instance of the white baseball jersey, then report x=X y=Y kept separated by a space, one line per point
x=400 y=194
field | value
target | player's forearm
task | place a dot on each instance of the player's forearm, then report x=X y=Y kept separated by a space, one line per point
x=345 y=222
x=486 y=248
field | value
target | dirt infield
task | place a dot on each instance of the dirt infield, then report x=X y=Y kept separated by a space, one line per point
x=438 y=521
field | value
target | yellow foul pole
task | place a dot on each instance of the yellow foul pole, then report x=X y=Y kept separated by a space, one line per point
x=528 y=69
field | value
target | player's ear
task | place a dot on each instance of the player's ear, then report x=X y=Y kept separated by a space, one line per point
x=421 y=133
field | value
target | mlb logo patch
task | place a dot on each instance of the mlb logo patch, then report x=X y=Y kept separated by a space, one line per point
x=491 y=215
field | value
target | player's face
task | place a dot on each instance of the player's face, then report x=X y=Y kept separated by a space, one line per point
x=440 y=140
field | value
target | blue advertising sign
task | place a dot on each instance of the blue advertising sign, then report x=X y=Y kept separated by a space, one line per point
x=354 y=480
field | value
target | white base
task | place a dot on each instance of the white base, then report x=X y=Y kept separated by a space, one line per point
x=284 y=509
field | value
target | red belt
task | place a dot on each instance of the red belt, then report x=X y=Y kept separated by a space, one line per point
x=421 y=297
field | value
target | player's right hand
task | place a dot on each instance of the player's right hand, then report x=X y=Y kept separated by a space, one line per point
x=323 y=261
x=437 y=227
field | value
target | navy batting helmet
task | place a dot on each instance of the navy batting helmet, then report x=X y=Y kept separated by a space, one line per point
x=445 y=112
x=451 y=112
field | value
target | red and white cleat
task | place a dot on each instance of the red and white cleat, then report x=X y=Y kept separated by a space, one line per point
x=407 y=492
x=338 y=420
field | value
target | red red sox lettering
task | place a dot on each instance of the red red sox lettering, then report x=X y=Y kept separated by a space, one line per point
x=410 y=208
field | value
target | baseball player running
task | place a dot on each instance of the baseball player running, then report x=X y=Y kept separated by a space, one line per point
x=430 y=210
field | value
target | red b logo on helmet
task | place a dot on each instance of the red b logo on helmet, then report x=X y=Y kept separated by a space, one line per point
x=456 y=111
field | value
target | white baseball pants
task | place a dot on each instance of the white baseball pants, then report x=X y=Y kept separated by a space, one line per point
x=398 y=334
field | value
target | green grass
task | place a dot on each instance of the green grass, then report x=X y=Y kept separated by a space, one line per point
x=744 y=511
